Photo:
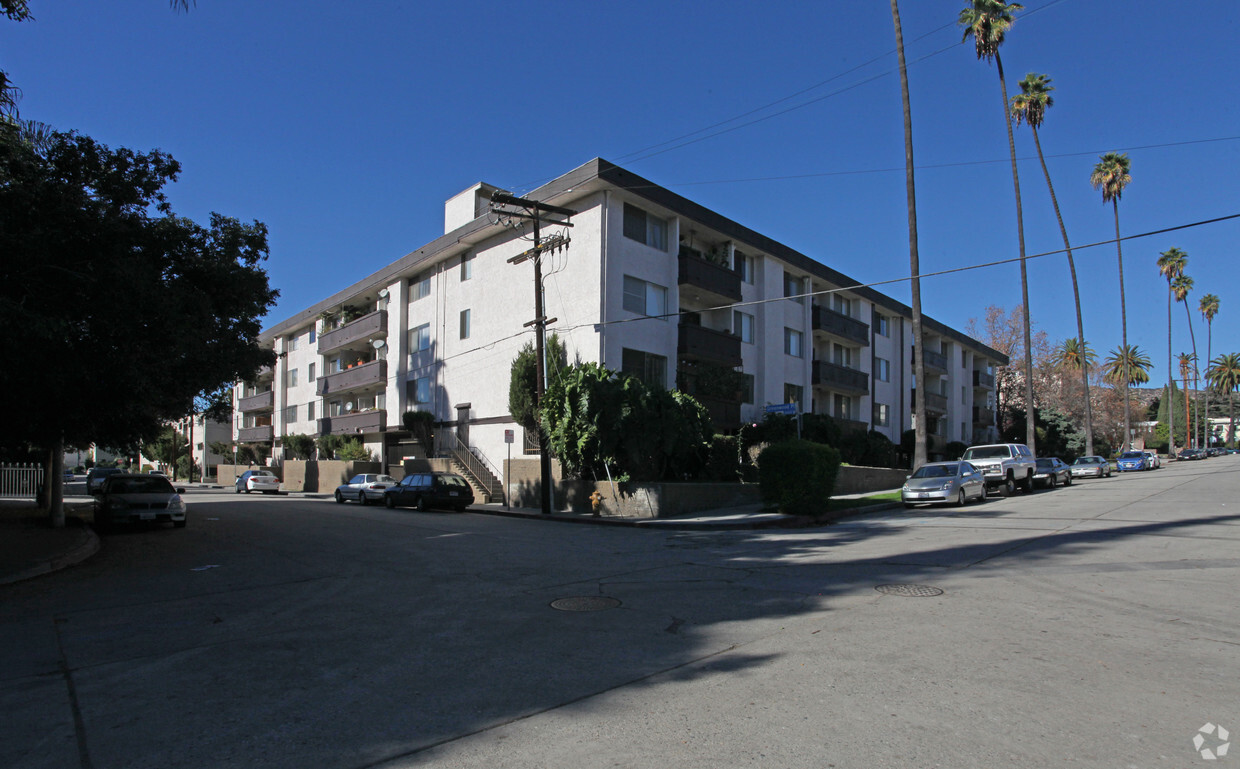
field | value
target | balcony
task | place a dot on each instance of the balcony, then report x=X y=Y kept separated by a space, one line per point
x=361 y=330
x=840 y=326
x=260 y=402
x=374 y=421
x=702 y=343
x=936 y=362
x=840 y=378
x=983 y=381
x=260 y=434
x=716 y=284
x=935 y=403
x=372 y=373
x=983 y=416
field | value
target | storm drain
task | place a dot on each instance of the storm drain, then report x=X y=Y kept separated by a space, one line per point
x=910 y=591
x=585 y=603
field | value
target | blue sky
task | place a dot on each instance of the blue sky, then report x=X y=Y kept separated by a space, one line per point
x=345 y=126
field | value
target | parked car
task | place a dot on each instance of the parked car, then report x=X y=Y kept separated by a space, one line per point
x=1191 y=454
x=1096 y=467
x=951 y=482
x=134 y=498
x=1155 y=460
x=1003 y=465
x=97 y=475
x=427 y=490
x=1052 y=471
x=364 y=487
x=1132 y=460
x=258 y=480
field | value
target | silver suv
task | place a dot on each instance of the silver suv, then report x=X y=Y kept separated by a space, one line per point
x=1004 y=465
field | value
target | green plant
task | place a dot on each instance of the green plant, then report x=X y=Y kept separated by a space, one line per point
x=299 y=445
x=353 y=450
x=328 y=445
x=798 y=476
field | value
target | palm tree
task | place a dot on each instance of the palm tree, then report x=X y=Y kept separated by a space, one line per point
x=1171 y=266
x=1030 y=105
x=1208 y=305
x=1126 y=365
x=1186 y=368
x=919 y=358
x=1224 y=375
x=1180 y=287
x=1111 y=176
x=1069 y=356
x=987 y=22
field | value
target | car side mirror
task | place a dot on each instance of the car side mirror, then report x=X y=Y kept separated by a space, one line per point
x=180 y=491
x=907 y=477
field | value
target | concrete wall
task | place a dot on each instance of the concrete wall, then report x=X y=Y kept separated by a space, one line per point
x=320 y=477
x=858 y=480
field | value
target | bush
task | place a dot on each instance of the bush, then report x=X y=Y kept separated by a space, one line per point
x=726 y=460
x=798 y=476
x=354 y=451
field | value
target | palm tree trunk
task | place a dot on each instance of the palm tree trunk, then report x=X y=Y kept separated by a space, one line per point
x=919 y=358
x=1030 y=432
x=1123 y=319
x=1076 y=298
x=1192 y=426
x=1209 y=344
x=1170 y=378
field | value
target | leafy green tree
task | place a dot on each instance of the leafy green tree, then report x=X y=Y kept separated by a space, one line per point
x=328 y=445
x=1111 y=175
x=1224 y=376
x=167 y=448
x=1171 y=266
x=353 y=450
x=987 y=22
x=301 y=446
x=1030 y=106
x=522 y=383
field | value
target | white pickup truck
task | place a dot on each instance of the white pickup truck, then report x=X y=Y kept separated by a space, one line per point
x=1004 y=465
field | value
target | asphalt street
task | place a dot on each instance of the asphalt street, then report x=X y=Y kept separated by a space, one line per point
x=1091 y=626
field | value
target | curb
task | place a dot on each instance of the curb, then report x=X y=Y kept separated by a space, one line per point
x=63 y=561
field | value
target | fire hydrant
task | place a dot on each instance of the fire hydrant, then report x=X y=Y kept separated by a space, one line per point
x=596 y=502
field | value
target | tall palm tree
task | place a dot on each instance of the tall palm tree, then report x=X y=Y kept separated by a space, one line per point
x=1186 y=368
x=1224 y=375
x=1111 y=175
x=919 y=358
x=1171 y=266
x=1208 y=305
x=987 y=22
x=1180 y=287
x=1030 y=105
x=1126 y=365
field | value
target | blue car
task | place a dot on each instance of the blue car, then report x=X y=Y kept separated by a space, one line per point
x=1133 y=460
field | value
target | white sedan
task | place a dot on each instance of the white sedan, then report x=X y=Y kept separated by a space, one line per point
x=365 y=488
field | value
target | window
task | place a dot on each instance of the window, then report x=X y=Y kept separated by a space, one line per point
x=335 y=408
x=792 y=287
x=646 y=366
x=467 y=267
x=792 y=343
x=644 y=227
x=312 y=335
x=841 y=304
x=420 y=287
x=843 y=406
x=310 y=373
x=644 y=298
x=464 y=324
x=747 y=388
x=310 y=411
x=420 y=338
x=882 y=369
x=290 y=414
x=742 y=264
x=962 y=396
x=292 y=378
x=293 y=343
x=793 y=394
x=882 y=415
x=742 y=326
x=422 y=390
x=881 y=326
x=842 y=356
x=964 y=432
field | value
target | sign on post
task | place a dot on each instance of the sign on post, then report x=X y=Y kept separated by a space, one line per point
x=787 y=409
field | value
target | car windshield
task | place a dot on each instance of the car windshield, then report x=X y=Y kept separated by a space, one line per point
x=935 y=471
x=1086 y=461
x=1045 y=464
x=147 y=485
x=987 y=452
x=384 y=479
x=452 y=480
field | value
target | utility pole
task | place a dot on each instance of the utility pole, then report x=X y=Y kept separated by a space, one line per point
x=521 y=208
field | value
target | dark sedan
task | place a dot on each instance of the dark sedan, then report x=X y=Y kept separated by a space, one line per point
x=1051 y=472
x=426 y=490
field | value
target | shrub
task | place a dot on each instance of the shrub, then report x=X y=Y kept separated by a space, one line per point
x=725 y=460
x=798 y=476
x=353 y=450
x=299 y=445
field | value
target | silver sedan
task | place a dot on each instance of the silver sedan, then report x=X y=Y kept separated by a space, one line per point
x=948 y=482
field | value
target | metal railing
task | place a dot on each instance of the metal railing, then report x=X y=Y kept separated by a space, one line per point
x=20 y=480
x=447 y=442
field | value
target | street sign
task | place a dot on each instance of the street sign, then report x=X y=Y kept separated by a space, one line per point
x=509 y=436
x=788 y=409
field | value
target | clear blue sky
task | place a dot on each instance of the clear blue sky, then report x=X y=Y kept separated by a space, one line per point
x=345 y=126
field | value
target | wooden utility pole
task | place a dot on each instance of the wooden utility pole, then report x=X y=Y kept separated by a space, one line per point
x=521 y=208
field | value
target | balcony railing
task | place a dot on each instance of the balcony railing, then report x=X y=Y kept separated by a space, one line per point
x=260 y=434
x=840 y=325
x=982 y=380
x=374 y=421
x=720 y=283
x=935 y=403
x=702 y=343
x=936 y=362
x=260 y=402
x=841 y=378
x=983 y=416
x=364 y=328
x=371 y=373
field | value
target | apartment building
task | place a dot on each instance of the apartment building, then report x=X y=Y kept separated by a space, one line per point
x=651 y=284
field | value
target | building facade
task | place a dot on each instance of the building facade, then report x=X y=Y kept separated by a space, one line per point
x=649 y=283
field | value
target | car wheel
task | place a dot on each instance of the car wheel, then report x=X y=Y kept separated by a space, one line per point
x=247 y=488
x=1009 y=486
x=237 y=489
x=1067 y=481
x=960 y=500
x=389 y=500
x=421 y=505
x=1052 y=482
x=361 y=497
x=339 y=497
x=1027 y=484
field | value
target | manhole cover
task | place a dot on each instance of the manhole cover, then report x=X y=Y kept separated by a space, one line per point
x=585 y=603
x=910 y=591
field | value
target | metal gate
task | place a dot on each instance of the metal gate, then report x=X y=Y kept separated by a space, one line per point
x=20 y=480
